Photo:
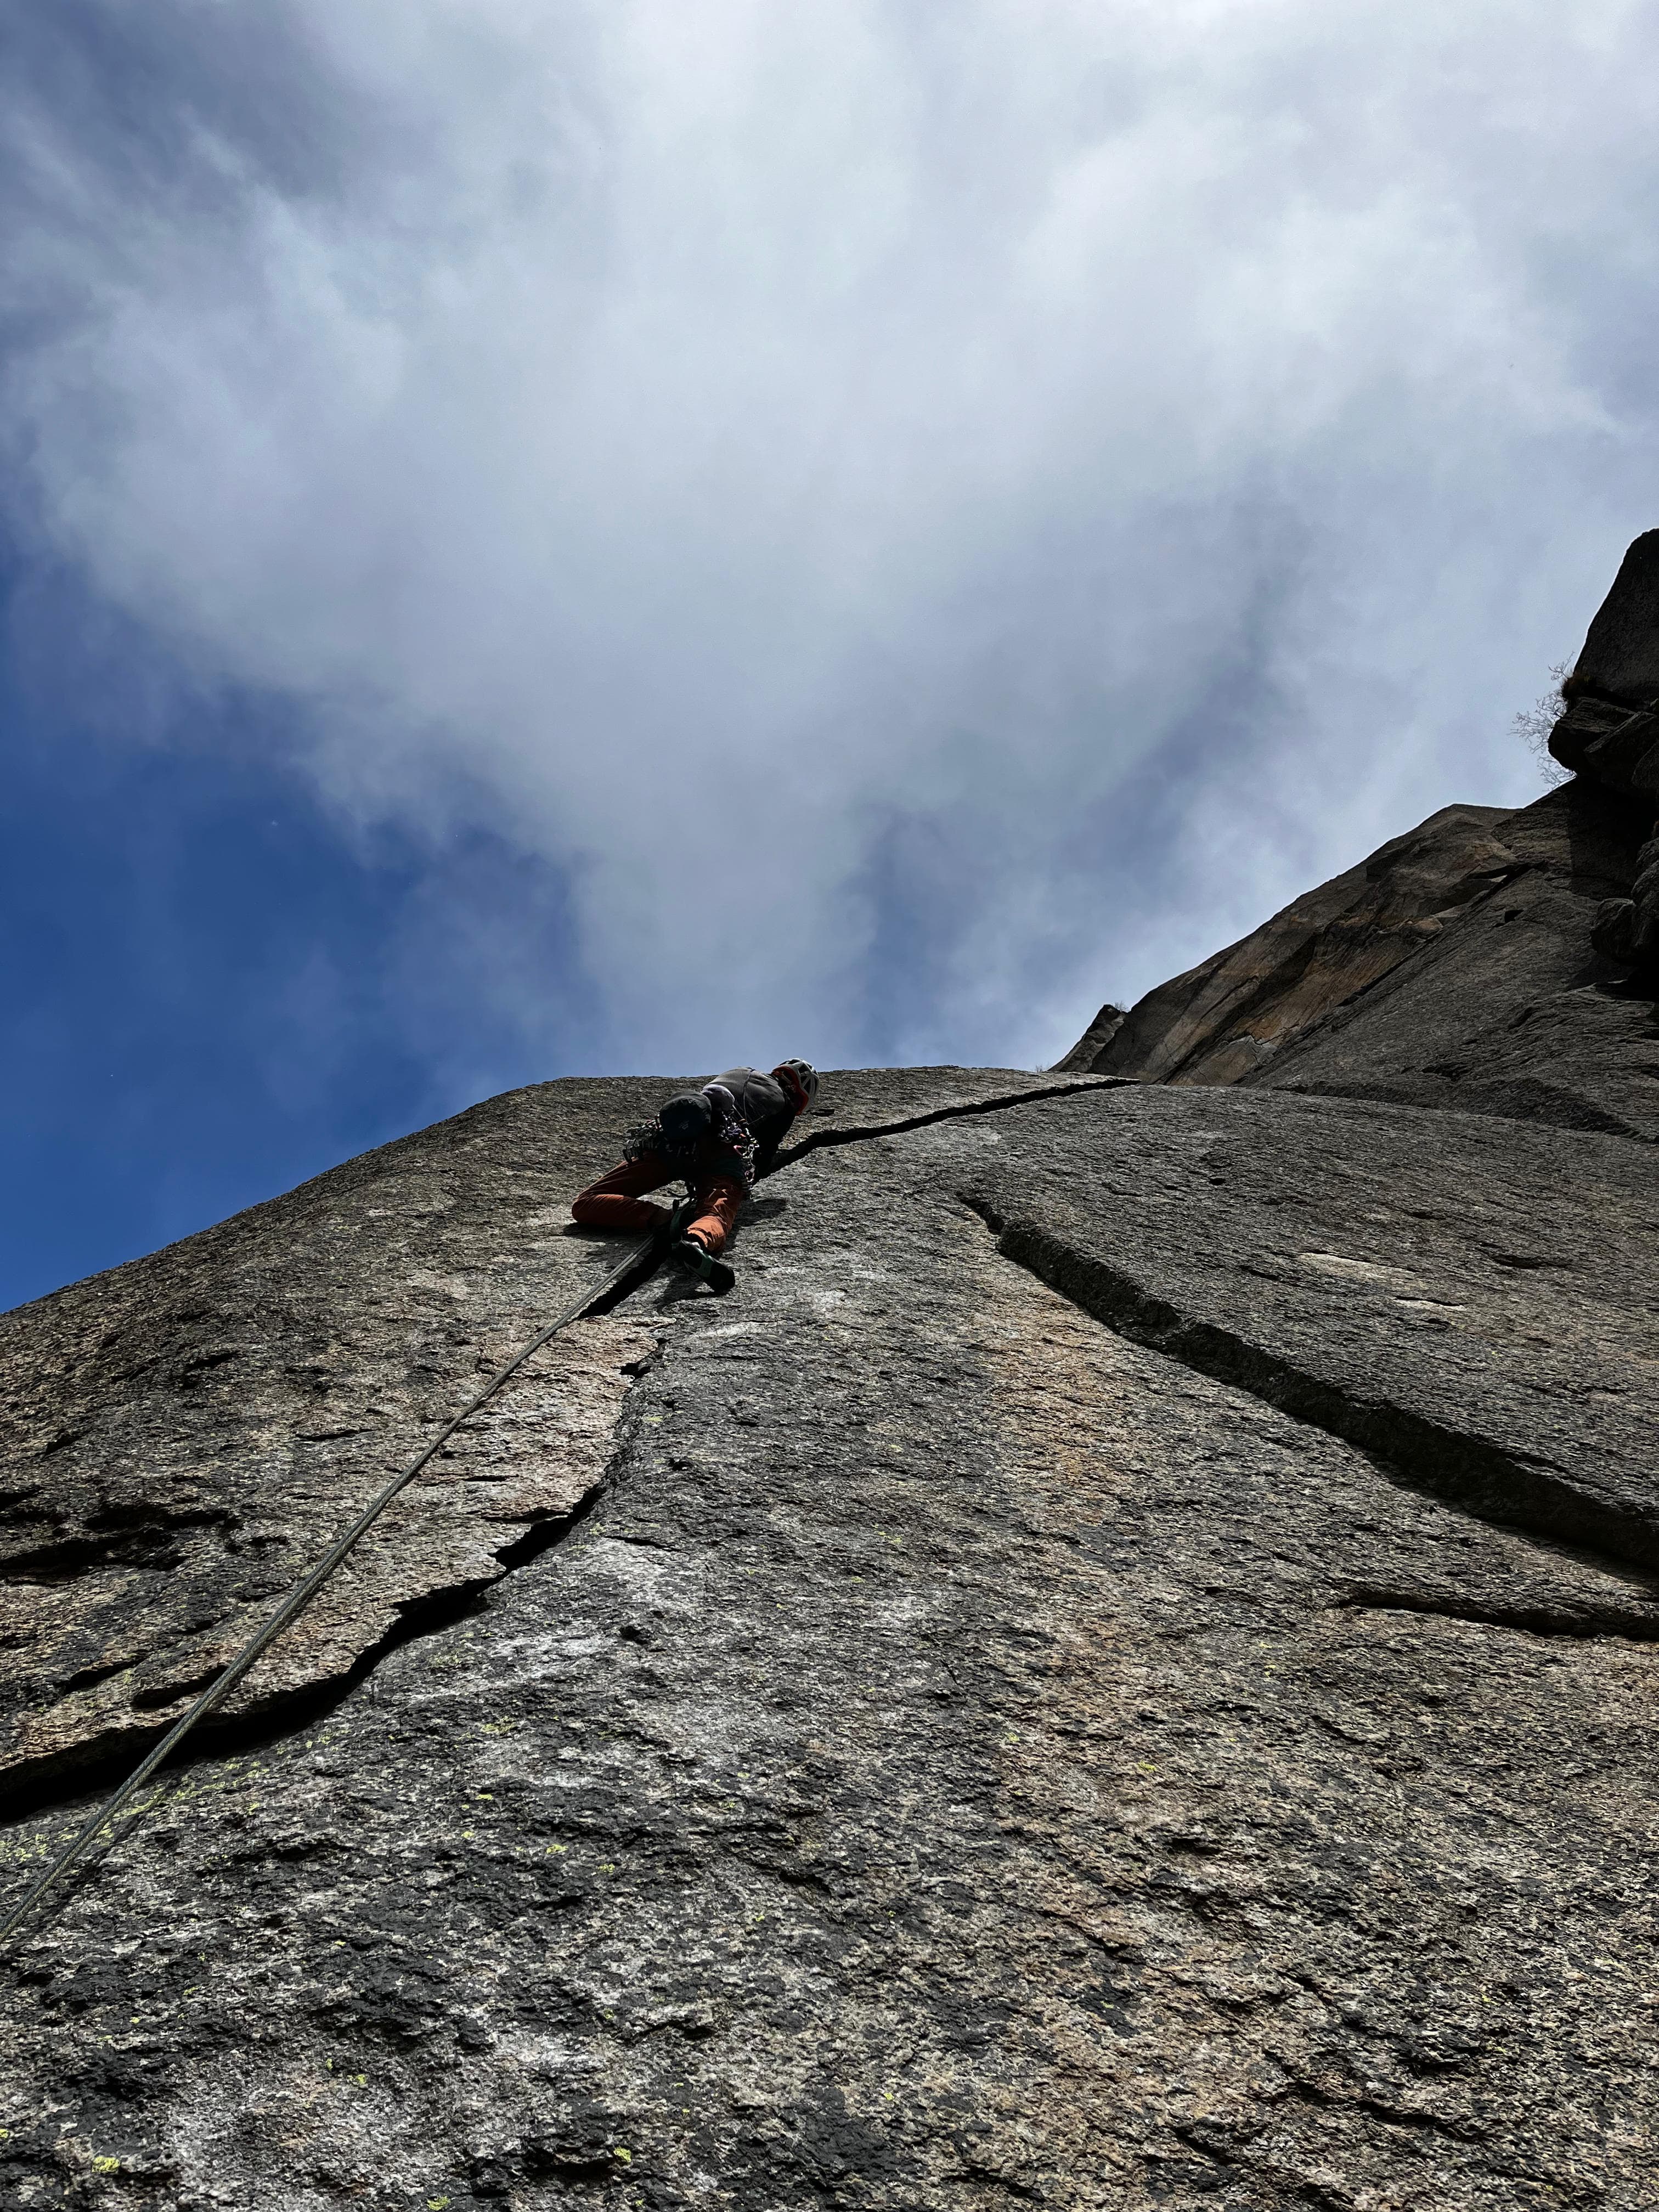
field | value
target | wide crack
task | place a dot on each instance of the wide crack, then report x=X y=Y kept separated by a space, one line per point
x=817 y=1139
x=1583 y=1623
x=1508 y=1489
x=38 y=1786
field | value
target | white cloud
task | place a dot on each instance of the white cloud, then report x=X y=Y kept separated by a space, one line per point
x=929 y=515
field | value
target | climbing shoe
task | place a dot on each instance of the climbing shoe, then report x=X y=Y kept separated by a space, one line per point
x=718 y=1274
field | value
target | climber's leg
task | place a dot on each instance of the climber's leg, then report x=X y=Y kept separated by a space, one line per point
x=719 y=1204
x=615 y=1201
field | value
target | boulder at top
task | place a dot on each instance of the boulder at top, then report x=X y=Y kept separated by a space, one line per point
x=1620 y=658
x=1603 y=733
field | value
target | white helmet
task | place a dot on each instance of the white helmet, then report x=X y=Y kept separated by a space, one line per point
x=800 y=1079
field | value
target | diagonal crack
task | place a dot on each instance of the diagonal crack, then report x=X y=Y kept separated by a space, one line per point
x=819 y=1139
x=1583 y=1622
x=63 y=1777
x=1510 y=1489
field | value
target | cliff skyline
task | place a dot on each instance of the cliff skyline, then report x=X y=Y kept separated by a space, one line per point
x=483 y=483
x=1114 y=1670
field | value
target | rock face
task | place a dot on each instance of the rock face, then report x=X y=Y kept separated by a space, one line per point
x=184 y=1436
x=1489 y=962
x=1606 y=732
x=1510 y=1010
x=186 y=1433
x=1227 y=1018
x=1378 y=1272
x=1454 y=969
x=1118 y=1669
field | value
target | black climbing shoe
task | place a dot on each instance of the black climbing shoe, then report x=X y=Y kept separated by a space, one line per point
x=718 y=1274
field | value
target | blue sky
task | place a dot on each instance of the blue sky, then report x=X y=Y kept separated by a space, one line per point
x=560 y=538
x=211 y=993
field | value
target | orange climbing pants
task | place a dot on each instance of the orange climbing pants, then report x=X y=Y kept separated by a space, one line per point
x=616 y=1202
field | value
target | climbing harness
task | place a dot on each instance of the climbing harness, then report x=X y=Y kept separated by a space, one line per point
x=297 y=1599
x=715 y=1139
x=733 y=1133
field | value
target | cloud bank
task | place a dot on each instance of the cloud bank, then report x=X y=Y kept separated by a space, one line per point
x=924 y=517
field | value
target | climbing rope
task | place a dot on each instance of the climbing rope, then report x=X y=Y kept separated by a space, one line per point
x=296 y=1602
x=298 y=1599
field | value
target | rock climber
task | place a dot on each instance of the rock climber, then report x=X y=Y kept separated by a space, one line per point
x=716 y=1140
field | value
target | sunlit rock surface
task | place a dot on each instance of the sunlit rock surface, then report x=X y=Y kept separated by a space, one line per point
x=1490 y=961
x=1225 y=1018
x=1016 y=1721
x=1453 y=968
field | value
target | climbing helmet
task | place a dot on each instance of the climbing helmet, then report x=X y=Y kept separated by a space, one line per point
x=800 y=1080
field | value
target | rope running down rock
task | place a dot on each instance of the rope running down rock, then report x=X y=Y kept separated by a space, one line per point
x=297 y=1599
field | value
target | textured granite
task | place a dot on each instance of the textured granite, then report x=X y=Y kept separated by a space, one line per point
x=1470 y=1299
x=183 y=1437
x=1454 y=969
x=1224 y=1020
x=965 y=1754
x=1510 y=1011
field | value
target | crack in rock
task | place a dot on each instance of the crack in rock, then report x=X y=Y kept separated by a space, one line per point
x=54 y=1783
x=62 y=1774
x=136 y=1643
x=1583 y=1625
x=967 y=1110
x=1505 y=1486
